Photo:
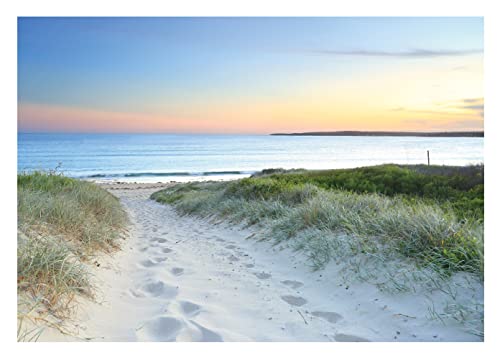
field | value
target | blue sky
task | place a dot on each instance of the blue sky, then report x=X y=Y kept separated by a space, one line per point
x=165 y=67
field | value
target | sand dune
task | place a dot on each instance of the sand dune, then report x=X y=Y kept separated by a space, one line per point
x=186 y=279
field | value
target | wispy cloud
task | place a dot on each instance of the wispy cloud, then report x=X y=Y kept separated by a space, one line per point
x=473 y=100
x=415 y=53
x=474 y=106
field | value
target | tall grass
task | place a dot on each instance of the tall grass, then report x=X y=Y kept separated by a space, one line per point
x=62 y=224
x=419 y=230
x=400 y=242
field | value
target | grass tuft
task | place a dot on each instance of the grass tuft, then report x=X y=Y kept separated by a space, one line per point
x=62 y=224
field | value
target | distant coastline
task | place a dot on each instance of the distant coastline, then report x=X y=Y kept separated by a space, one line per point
x=384 y=134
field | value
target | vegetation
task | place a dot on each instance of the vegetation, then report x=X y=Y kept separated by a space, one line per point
x=461 y=188
x=62 y=224
x=400 y=228
x=430 y=215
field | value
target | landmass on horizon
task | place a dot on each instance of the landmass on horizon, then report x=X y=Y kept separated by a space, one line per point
x=385 y=134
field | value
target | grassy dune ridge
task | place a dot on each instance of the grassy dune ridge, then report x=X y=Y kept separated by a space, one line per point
x=62 y=224
x=458 y=188
x=414 y=229
x=431 y=215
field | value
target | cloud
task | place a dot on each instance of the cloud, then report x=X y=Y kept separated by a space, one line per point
x=416 y=53
x=478 y=106
x=473 y=100
x=474 y=106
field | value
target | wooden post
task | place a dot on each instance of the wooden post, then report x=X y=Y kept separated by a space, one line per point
x=428 y=159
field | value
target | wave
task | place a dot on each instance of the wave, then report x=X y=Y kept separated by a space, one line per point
x=168 y=174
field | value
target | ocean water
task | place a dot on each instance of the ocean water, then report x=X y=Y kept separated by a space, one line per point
x=166 y=157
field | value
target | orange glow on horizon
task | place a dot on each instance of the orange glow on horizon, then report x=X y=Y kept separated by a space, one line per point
x=261 y=119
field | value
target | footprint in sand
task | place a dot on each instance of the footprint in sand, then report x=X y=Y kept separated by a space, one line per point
x=294 y=300
x=341 y=337
x=136 y=294
x=177 y=271
x=230 y=247
x=233 y=258
x=159 y=289
x=147 y=263
x=262 y=275
x=166 y=250
x=331 y=317
x=190 y=309
x=249 y=265
x=292 y=284
x=163 y=329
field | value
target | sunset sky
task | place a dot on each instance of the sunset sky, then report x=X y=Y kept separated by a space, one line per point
x=249 y=75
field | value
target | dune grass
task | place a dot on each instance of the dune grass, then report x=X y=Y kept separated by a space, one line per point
x=411 y=229
x=62 y=224
x=382 y=209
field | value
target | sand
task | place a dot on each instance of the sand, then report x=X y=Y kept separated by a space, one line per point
x=180 y=278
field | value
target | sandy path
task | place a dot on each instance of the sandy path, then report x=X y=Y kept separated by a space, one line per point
x=186 y=279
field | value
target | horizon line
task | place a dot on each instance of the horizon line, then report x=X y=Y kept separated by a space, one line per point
x=270 y=133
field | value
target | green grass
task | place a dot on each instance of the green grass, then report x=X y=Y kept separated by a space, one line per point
x=460 y=188
x=62 y=224
x=430 y=215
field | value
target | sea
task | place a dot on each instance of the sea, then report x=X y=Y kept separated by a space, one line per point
x=182 y=157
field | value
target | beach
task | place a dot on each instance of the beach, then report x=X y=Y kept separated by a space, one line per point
x=250 y=179
x=185 y=278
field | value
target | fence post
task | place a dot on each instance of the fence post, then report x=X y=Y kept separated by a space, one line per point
x=428 y=159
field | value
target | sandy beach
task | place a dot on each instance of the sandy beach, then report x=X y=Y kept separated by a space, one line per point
x=179 y=278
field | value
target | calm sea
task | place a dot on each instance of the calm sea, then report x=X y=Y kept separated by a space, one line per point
x=165 y=157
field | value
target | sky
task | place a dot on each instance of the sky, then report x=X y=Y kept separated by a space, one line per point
x=249 y=75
